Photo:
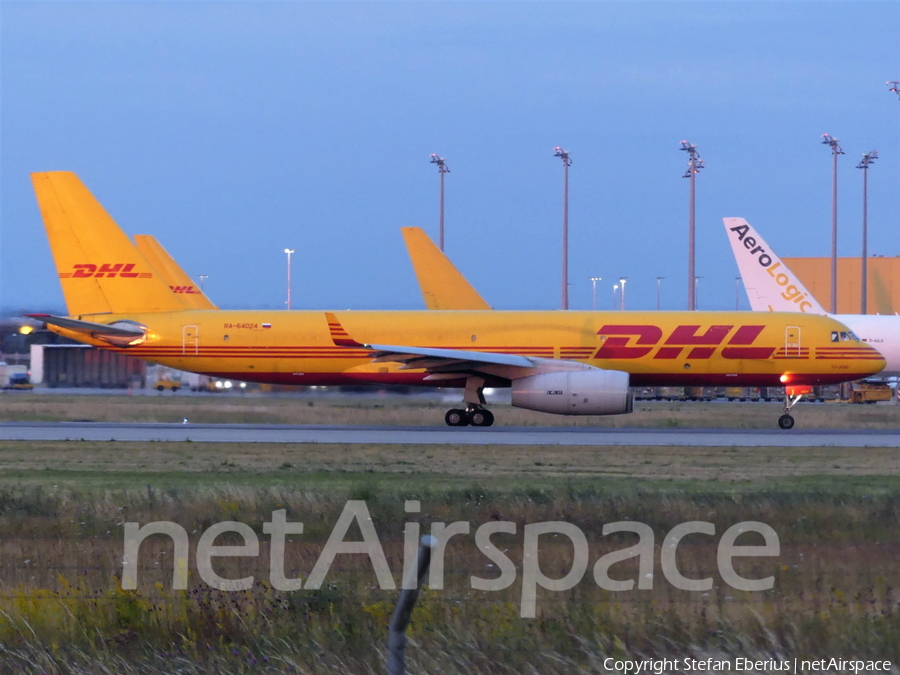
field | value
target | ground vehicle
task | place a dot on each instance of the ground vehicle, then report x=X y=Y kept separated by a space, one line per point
x=870 y=392
x=19 y=381
x=167 y=382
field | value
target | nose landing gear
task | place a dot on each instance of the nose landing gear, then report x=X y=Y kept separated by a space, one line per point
x=786 y=421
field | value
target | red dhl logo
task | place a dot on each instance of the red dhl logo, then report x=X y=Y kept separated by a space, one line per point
x=637 y=341
x=189 y=290
x=87 y=270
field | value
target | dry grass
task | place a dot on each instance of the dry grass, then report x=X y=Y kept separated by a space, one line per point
x=388 y=409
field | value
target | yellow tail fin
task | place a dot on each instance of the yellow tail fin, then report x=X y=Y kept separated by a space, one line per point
x=170 y=272
x=442 y=285
x=100 y=270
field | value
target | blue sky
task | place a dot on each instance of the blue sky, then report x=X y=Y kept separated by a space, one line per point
x=231 y=130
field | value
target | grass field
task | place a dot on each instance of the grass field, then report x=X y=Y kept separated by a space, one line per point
x=63 y=506
x=391 y=409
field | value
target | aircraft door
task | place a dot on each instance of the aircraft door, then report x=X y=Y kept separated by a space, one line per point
x=792 y=341
x=190 y=340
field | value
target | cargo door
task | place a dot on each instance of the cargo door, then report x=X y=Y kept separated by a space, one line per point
x=190 y=340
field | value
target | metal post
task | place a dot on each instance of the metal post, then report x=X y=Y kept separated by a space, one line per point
x=615 y=288
x=442 y=169
x=289 y=251
x=737 y=296
x=867 y=159
x=694 y=166
x=622 y=281
x=400 y=620
x=835 y=151
x=594 y=281
x=658 y=280
x=696 y=284
x=567 y=162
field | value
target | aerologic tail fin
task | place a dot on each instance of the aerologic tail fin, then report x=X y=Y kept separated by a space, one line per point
x=442 y=285
x=100 y=270
x=170 y=272
x=770 y=284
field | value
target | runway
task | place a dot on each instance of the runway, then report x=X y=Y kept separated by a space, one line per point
x=590 y=436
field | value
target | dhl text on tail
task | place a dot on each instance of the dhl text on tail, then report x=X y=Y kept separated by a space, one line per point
x=564 y=362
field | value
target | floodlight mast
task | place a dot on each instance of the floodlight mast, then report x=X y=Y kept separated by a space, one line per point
x=567 y=162
x=289 y=251
x=894 y=86
x=658 y=283
x=867 y=159
x=442 y=169
x=835 y=151
x=594 y=281
x=695 y=164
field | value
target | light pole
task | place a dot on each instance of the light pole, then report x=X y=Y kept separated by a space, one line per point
x=867 y=159
x=567 y=162
x=442 y=169
x=202 y=277
x=696 y=289
x=658 y=284
x=737 y=291
x=615 y=288
x=835 y=151
x=594 y=281
x=894 y=86
x=694 y=166
x=622 y=281
x=289 y=251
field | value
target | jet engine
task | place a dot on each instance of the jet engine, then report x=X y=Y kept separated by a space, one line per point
x=575 y=392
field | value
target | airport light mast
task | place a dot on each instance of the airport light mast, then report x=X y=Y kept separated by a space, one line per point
x=622 y=281
x=289 y=251
x=867 y=159
x=442 y=169
x=202 y=277
x=835 y=151
x=737 y=294
x=567 y=162
x=658 y=285
x=894 y=86
x=594 y=281
x=694 y=166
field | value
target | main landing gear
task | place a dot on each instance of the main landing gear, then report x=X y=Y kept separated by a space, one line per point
x=474 y=414
x=786 y=421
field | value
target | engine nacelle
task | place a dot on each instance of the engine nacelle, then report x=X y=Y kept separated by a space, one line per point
x=575 y=392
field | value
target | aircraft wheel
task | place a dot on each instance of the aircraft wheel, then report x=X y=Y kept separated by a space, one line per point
x=481 y=418
x=786 y=422
x=456 y=418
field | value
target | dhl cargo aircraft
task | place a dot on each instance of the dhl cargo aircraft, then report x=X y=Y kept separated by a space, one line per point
x=772 y=286
x=569 y=363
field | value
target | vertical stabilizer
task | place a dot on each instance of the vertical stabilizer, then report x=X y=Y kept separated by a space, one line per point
x=100 y=270
x=170 y=272
x=442 y=285
x=770 y=284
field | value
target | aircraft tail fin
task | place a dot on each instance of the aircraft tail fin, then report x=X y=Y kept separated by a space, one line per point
x=100 y=270
x=442 y=285
x=770 y=284
x=171 y=273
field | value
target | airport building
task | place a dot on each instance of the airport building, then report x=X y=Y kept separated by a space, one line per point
x=883 y=287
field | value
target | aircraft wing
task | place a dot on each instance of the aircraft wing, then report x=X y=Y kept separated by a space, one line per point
x=438 y=362
x=121 y=333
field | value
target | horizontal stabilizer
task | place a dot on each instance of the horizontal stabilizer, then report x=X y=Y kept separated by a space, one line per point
x=119 y=333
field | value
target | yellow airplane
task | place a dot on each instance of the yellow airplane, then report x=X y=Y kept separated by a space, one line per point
x=171 y=273
x=568 y=363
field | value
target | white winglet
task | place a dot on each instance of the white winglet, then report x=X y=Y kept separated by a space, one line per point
x=770 y=284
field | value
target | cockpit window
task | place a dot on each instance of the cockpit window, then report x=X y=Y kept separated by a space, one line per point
x=835 y=336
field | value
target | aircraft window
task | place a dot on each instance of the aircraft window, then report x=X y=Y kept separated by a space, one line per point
x=854 y=336
x=844 y=336
x=834 y=336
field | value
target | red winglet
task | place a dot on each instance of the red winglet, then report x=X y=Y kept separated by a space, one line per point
x=339 y=336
